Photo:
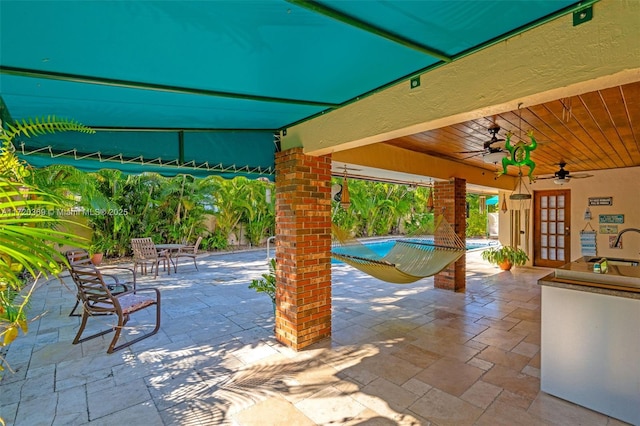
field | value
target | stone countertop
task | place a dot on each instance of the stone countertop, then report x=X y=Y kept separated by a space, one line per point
x=606 y=289
x=618 y=272
x=621 y=279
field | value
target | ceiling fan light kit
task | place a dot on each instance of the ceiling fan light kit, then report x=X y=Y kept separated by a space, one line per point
x=563 y=176
x=561 y=181
x=494 y=157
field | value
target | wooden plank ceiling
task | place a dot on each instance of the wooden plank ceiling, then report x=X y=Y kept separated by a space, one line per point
x=593 y=131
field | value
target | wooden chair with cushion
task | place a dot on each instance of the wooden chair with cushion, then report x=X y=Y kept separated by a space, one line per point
x=189 y=251
x=97 y=299
x=122 y=279
x=145 y=253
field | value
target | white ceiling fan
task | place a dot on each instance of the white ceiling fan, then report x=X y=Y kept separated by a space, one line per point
x=563 y=176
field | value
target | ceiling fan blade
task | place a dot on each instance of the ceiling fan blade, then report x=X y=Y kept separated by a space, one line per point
x=567 y=177
x=476 y=154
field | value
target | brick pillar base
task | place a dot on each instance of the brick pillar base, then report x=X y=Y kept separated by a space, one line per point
x=452 y=197
x=303 y=248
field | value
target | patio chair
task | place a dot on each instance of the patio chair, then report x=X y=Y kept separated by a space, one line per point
x=79 y=258
x=145 y=253
x=97 y=299
x=188 y=251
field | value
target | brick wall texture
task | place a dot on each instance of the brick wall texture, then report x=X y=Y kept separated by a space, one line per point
x=450 y=200
x=303 y=248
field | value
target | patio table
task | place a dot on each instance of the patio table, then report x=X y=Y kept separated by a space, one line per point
x=170 y=248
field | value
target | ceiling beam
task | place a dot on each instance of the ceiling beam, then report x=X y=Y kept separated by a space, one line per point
x=394 y=159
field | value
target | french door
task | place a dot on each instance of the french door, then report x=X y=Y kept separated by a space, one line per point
x=552 y=228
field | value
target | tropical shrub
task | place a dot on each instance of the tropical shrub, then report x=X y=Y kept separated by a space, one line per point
x=28 y=226
x=260 y=213
x=267 y=284
x=382 y=209
x=477 y=220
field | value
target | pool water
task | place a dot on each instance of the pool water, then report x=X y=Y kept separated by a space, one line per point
x=382 y=247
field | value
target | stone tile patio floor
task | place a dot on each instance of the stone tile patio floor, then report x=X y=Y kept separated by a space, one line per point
x=399 y=355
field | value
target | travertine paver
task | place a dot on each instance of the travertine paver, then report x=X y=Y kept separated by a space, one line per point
x=404 y=355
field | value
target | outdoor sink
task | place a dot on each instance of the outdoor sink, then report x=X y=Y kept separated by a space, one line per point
x=614 y=261
x=621 y=272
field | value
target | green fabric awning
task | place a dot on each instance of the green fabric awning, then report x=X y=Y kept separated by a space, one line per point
x=167 y=153
x=492 y=201
x=135 y=70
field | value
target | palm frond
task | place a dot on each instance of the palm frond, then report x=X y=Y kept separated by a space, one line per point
x=41 y=126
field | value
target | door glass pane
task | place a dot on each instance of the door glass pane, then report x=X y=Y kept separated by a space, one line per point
x=552 y=220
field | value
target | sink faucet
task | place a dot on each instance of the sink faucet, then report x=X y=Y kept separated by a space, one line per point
x=622 y=232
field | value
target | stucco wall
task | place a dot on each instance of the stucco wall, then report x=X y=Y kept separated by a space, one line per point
x=621 y=184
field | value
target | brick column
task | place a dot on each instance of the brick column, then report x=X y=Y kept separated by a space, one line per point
x=303 y=248
x=452 y=196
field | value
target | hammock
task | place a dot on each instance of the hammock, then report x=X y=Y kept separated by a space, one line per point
x=408 y=260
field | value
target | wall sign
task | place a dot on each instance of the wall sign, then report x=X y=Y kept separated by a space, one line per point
x=608 y=229
x=611 y=218
x=600 y=201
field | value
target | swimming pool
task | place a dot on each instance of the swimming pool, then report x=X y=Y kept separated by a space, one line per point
x=382 y=247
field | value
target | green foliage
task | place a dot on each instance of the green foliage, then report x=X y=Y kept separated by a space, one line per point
x=497 y=255
x=259 y=215
x=418 y=218
x=381 y=209
x=387 y=209
x=216 y=241
x=28 y=226
x=476 y=222
x=120 y=207
x=231 y=200
x=267 y=284
x=40 y=126
x=12 y=168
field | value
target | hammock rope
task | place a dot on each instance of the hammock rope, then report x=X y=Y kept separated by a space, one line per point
x=408 y=260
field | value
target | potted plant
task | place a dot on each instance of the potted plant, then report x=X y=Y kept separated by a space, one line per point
x=267 y=284
x=100 y=245
x=505 y=257
x=96 y=250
